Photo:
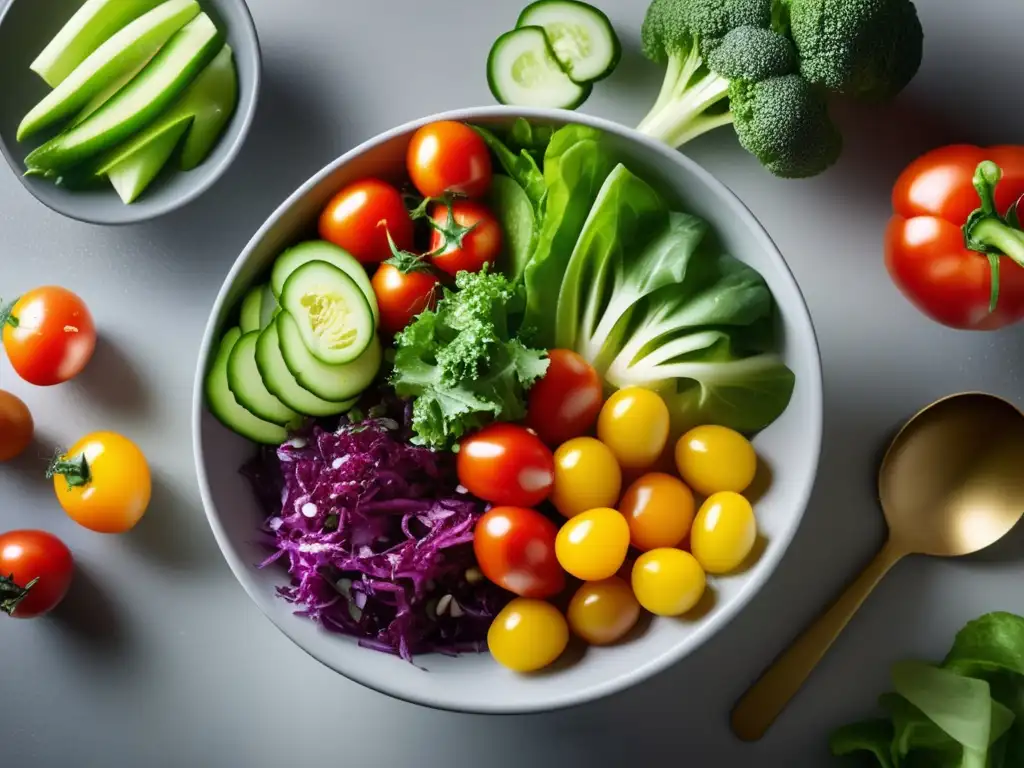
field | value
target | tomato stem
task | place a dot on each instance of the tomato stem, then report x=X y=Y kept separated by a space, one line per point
x=452 y=233
x=990 y=234
x=7 y=316
x=74 y=471
x=11 y=594
x=404 y=261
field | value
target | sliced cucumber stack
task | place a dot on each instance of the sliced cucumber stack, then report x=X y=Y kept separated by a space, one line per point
x=558 y=49
x=247 y=386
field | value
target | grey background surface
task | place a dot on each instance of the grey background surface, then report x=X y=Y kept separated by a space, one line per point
x=158 y=658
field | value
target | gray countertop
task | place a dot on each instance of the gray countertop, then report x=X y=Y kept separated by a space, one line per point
x=158 y=658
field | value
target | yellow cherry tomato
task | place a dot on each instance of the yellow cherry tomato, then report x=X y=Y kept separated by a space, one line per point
x=668 y=582
x=723 y=533
x=712 y=459
x=527 y=635
x=593 y=544
x=602 y=612
x=103 y=482
x=659 y=509
x=634 y=423
x=586 y=476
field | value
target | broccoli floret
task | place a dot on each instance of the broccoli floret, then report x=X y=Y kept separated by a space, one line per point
x=783 y=121
x=718 y=52
x=868 y=49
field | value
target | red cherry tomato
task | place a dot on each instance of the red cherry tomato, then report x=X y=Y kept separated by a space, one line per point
x=565 y=403
x=27 y=557
x=359 y=217
x=506 y=464
x=49 y=336
x=403 y=295
x=515 y=548
x=449 y=157
x=473 y=237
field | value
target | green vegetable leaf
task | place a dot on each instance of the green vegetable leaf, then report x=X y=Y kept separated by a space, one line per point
x=960 y=706
x=524 y=135
x=991 y=643
x=871 y=736
x=518 y=222
x=521 y=167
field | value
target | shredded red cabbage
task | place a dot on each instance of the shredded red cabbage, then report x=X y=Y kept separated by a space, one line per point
x=377 y=536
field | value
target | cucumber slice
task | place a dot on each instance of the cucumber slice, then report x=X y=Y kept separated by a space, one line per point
x=95 y=22
x=225 y=408
x=138 y=103
x=124 y=52
x=280 y=381
x=258 y=310
x=332 y=314
x=211 y=100
x=321 y=250
x=582 y=38
x=131 y=175
x=522 y=70
x=247 y=386
x=108 y=92
x=331 y=382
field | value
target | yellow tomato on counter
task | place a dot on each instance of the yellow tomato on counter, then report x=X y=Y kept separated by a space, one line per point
x=711 y=458
x=659 y=509
x=527 y=635
x=103 y=483
x=634 y=423
x=668 y=582
x=723 y=533
x=587 y=476
x=602 y=612
x=593 y=544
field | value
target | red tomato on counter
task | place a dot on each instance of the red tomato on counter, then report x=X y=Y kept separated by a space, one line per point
x=49 y=335
x=35 y=573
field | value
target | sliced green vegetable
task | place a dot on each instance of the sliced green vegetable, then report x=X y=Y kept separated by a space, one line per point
x=330 y=382
x=320 y=250
x=131 y=175
x=92 y=24
x=123 y=53
x=259 y=308
x=522 y=70
x=135 y=105
x=247 y=386
x=108 y=91
x=514 y=212
x=581 y=37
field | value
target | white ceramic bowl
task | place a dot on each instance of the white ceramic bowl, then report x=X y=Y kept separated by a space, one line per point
x=475 y=683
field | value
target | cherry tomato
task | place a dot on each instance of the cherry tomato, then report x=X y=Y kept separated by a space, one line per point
x=711 y=458
x=27 y=557
x=602 y=612
x=668 y=582
x=723 y=533
x=103 y=483
x=565 y=403
x=586 y=476
x=527 y=635
x=593 y=545
x=447 y=156
x=515 y=548
x=470 y=238
x=16 y=426
x=49 y=336
x=506 y=464
x=659 y=509
x=403 y=295
x=360 y=216
x=634 y=423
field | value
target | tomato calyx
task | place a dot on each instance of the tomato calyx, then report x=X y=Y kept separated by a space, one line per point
x=11 y=594
x=990 y=234
x=405 y=261
x=7 y=316
x=452 y=233
x=74 y=471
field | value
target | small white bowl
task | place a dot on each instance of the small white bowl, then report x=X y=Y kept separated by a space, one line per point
x=476 y=683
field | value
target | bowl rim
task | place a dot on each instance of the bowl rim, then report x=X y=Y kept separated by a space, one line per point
x=711 y=625
x=137 y=215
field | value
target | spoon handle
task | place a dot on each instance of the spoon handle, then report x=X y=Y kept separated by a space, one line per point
x=766 y=698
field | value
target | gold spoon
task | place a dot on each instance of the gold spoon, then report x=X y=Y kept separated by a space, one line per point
x=951 y=483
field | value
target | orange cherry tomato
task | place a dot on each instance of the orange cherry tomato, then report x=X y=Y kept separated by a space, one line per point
x=16 y=426
x=470 y=238
x=659 y=509
x=360 y=216
x=565 y=403
x=49 y=335
x=602 y=612
x=448 y=156
x=515 y=549
x=506 y=464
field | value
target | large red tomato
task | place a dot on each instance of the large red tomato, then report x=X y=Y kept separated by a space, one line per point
x=448 y=156
x=515 y=548
x=565 y=403
x=49 y=335
x=506 y=464
x=360 y=216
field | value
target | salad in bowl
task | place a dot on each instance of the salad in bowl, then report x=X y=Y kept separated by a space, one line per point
x=505 y=410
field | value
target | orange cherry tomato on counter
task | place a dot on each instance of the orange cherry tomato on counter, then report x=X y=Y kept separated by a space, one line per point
x=49 y=335
x=449 y=156
x=16 y=426
x=506 y=464
x=401 y=295
x=668 y=582
x=527 y=635
x=593 y=545
x=465 y=237
x=602 y=612
x=359 y=217
x=35 y=573
x=724 y=532
x=566 y=401
x=586 y=476
x=103 y=483
x=634 y=423
x=711 y=458
x=659 y=509
x=515 y=549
